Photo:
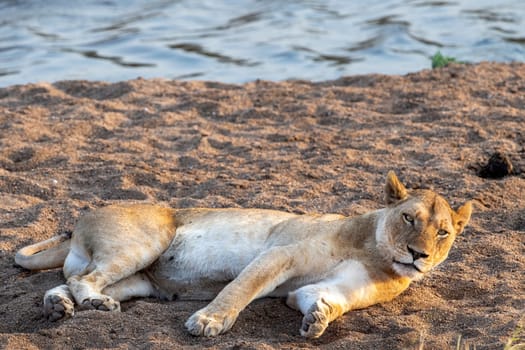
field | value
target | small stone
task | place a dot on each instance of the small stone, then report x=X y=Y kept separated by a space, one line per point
x=498 y=166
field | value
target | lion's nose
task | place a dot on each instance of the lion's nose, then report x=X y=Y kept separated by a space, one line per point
x=416 y=254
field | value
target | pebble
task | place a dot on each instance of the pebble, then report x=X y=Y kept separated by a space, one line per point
x=498 y=166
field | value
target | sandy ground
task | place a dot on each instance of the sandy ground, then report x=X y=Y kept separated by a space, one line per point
x=298 y=146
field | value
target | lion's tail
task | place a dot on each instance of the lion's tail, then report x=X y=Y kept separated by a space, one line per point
x=43 y=255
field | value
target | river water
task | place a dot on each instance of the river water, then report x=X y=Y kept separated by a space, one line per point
x=244 y=40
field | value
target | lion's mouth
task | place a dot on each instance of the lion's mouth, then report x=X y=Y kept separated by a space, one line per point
x=412 y=265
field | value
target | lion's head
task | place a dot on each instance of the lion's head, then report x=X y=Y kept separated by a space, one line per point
x=417 y=229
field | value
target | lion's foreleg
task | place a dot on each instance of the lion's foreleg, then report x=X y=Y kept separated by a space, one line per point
x=259 y=278
x=320 y=305
x=349 y=287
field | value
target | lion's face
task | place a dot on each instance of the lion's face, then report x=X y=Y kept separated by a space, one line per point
x=418 y=229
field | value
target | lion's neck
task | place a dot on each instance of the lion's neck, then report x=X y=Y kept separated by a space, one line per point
x=363 y=235
x=359 y=232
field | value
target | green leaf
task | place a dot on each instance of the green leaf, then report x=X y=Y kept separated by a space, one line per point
x=439 y=61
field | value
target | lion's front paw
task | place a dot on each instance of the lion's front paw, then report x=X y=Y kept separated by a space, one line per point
x=316 y=320
x=57 y=307
x=209 y=324
x=314 y=324
x=102 y=303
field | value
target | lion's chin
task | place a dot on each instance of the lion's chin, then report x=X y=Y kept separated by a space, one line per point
x=407 y=270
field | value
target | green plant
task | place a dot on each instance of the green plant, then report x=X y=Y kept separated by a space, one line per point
x=439 y=61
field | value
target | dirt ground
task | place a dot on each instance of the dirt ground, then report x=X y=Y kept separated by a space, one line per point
x=71 y=146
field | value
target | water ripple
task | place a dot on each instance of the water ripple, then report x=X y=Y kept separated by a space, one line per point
x=115 y=59
x=197 y=49
x=491 y=16
x=425 y=41
x=243 y=40
x=239 y=21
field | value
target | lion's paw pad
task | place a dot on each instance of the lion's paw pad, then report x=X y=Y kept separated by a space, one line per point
x=316 y=320
x=313 y=325
x=57 y=307
x=102 y=303
x=201 y=324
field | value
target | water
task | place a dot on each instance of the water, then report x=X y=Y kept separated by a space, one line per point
x=244 y=40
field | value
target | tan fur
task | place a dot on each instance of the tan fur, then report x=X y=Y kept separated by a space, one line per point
x=326 y=265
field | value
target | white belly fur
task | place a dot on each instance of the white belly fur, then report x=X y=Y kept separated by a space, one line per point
x=211 y=251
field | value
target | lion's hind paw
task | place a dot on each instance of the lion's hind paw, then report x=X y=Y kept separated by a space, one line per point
x=57 y=307
x=102 y=303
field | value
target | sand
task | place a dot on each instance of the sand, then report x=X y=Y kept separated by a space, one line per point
x=303 y=147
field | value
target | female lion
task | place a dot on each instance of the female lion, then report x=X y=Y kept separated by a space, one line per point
x=326 y=265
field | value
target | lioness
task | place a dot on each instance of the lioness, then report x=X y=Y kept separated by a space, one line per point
x=326 y=265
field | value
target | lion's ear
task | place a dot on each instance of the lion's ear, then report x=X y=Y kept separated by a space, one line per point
x=462 y=216
x=394 y=189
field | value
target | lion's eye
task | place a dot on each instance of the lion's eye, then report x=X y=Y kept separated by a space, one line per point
x=442 y=233
x=408 y=219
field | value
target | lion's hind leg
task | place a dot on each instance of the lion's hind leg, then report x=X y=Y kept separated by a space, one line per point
x=87 y=291
x=137 y=285
x=109 y=275
x=58 y=303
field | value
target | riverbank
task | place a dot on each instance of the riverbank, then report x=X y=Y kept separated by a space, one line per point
x=72 y=146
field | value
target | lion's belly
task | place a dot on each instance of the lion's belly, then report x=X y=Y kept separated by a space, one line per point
x=209 y=252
